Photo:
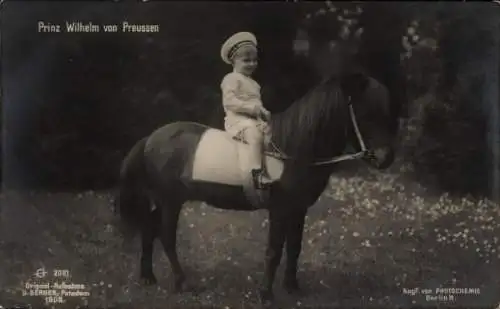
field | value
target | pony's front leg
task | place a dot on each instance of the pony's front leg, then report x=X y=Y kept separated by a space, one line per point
x=295 y=231
x=276 y=240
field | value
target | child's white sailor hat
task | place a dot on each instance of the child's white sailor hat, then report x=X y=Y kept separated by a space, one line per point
x=234 y=43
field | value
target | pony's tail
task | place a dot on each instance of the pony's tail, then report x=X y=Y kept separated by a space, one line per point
x=132 y=202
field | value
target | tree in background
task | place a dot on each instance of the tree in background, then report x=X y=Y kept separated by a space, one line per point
x=382 y=26
x=97 y=96
x=457 y=111
x=439 y=61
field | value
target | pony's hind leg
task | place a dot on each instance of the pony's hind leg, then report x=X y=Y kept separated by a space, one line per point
x=168 y=236
x=149 y=232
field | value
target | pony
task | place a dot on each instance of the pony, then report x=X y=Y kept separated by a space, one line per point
x=187 y=161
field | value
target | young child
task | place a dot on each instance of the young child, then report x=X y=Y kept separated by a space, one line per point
x=246 y=116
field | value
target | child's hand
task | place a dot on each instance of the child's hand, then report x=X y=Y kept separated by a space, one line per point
x=265 y=114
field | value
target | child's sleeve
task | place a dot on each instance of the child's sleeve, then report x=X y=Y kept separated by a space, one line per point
x=231 y=102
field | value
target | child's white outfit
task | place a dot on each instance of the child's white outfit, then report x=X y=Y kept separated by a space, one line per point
x=242 y=104
x=241 y=99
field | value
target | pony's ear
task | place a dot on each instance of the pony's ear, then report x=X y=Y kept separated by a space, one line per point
x=354 y=84
x=352 y=41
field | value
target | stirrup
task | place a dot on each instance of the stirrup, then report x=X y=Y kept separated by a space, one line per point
x=257 y=180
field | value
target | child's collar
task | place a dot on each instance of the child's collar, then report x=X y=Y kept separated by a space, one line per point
x=234 y=70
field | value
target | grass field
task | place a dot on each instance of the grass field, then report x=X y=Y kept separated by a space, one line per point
x=371 y=239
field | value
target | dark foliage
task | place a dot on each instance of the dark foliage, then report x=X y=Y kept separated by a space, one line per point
x=77 y=102
x=457 y=146
x=74 y=104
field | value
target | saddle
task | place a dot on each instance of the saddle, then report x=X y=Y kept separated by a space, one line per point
x=222 y=159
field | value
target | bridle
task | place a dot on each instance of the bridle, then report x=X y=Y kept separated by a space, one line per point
x=279 y=154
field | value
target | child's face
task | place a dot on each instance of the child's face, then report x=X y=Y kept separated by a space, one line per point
x=245 y=60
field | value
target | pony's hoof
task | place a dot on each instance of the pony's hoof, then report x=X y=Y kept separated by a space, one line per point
x=292 y=287
x=180 y=285
x=148 y=280
x=266 y=298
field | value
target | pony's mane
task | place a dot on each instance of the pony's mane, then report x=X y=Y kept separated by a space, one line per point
x=321 y=111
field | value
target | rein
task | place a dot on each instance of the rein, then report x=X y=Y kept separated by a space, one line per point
x=279 y=154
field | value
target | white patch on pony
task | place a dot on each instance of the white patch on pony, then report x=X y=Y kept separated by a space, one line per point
x=221 y=159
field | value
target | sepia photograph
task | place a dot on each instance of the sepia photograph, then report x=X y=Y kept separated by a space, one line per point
x=249 y=154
